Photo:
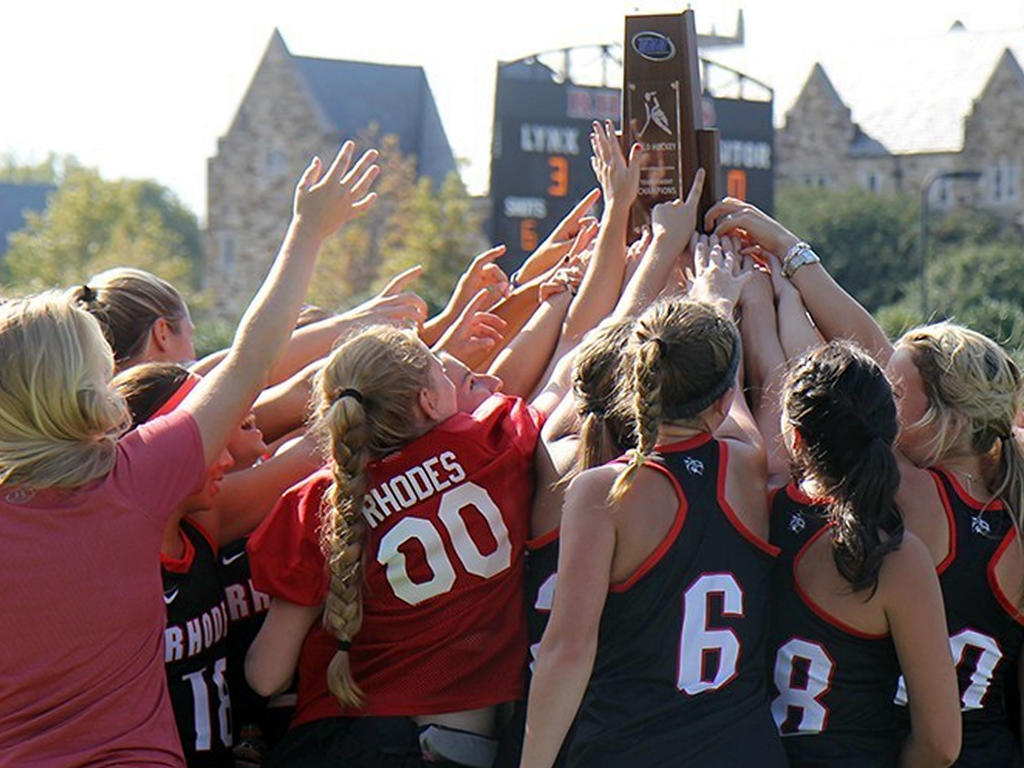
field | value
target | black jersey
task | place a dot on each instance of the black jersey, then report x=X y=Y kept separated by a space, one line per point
x=680 y=674
x=196 y=651
x=832 y=685
x=985 y=631
x=540 y=576
x=247 y=607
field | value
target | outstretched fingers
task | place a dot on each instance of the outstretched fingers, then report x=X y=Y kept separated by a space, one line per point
x=398 y=283
x=341 y=162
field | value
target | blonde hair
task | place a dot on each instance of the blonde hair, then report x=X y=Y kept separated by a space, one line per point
x=127 y=302
x=683 y=357
x=973 y=390
x=365 y=396
x=59 y=420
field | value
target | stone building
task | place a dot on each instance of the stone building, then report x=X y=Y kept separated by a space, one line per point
x=296 y=107
x=890 y=118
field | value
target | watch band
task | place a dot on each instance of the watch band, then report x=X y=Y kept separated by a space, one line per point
x=798 y=256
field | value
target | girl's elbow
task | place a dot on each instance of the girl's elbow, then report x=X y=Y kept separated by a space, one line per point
x=942 y=747
x=262 y=680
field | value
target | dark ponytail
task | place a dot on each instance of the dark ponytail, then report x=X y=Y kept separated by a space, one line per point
x=840 y=404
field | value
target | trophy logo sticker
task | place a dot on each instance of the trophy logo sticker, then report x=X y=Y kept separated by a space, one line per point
x=655 y=113
x=654 y=46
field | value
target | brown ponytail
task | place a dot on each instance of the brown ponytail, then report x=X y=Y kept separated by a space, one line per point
x=598 y=378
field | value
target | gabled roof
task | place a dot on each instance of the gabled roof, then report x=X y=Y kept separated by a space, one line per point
x=910 y=95
x=353 y=94
x=15 y=200
x=913 y=96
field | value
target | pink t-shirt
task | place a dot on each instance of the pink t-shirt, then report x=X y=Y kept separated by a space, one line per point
x=81 y=619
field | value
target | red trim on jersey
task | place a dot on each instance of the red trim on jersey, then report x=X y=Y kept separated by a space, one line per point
x=183 y=563
x=950 y=521
x=543 y=539
x=749 y=535
x=965 y=497
x=673 y=533
x=796 y=493
x=820 y=612
x=993 y=582
x=688 y=444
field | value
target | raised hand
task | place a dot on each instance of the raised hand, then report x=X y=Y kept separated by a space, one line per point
x=732 y=216
x=719 y=275
x=674 y=222
x=326 y=201
x=567 y=278
x=474 y=331
x=394 y=305
x=618 y=178
x=482 y=274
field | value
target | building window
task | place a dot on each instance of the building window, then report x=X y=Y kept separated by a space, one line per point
x=1004 y=181
x=873 y=181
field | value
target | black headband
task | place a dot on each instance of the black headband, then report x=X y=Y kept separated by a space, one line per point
x=692 y=408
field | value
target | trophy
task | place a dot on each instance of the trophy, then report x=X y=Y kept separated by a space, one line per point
x=661 y=110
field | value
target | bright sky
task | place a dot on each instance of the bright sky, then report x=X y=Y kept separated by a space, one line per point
x=144 y=90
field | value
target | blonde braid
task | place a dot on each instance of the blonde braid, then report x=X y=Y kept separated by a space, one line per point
x=344 y=535
x=364 y=400
x=647 y=412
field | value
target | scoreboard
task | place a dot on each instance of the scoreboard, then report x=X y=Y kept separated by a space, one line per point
x=540 y=159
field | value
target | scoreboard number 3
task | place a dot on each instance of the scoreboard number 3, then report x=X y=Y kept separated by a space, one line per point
x=559 y=186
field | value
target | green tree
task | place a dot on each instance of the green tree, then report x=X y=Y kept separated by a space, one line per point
x=977 y=285
x=868 y=242
x=92 y=224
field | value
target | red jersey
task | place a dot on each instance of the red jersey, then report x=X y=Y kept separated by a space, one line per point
x=444 y=625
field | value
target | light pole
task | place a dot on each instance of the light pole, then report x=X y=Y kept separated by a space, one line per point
x=926 y=189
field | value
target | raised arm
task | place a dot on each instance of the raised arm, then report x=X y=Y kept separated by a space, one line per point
x=324 y=201
x=392 y=306
x=557 y=244
x=836 y=314
x=602 y=281
x=672 y=228
x=764 y=362
x=718 y=279
x=522 y=363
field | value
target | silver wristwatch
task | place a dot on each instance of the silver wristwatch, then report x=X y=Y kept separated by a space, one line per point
x=796 y=257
